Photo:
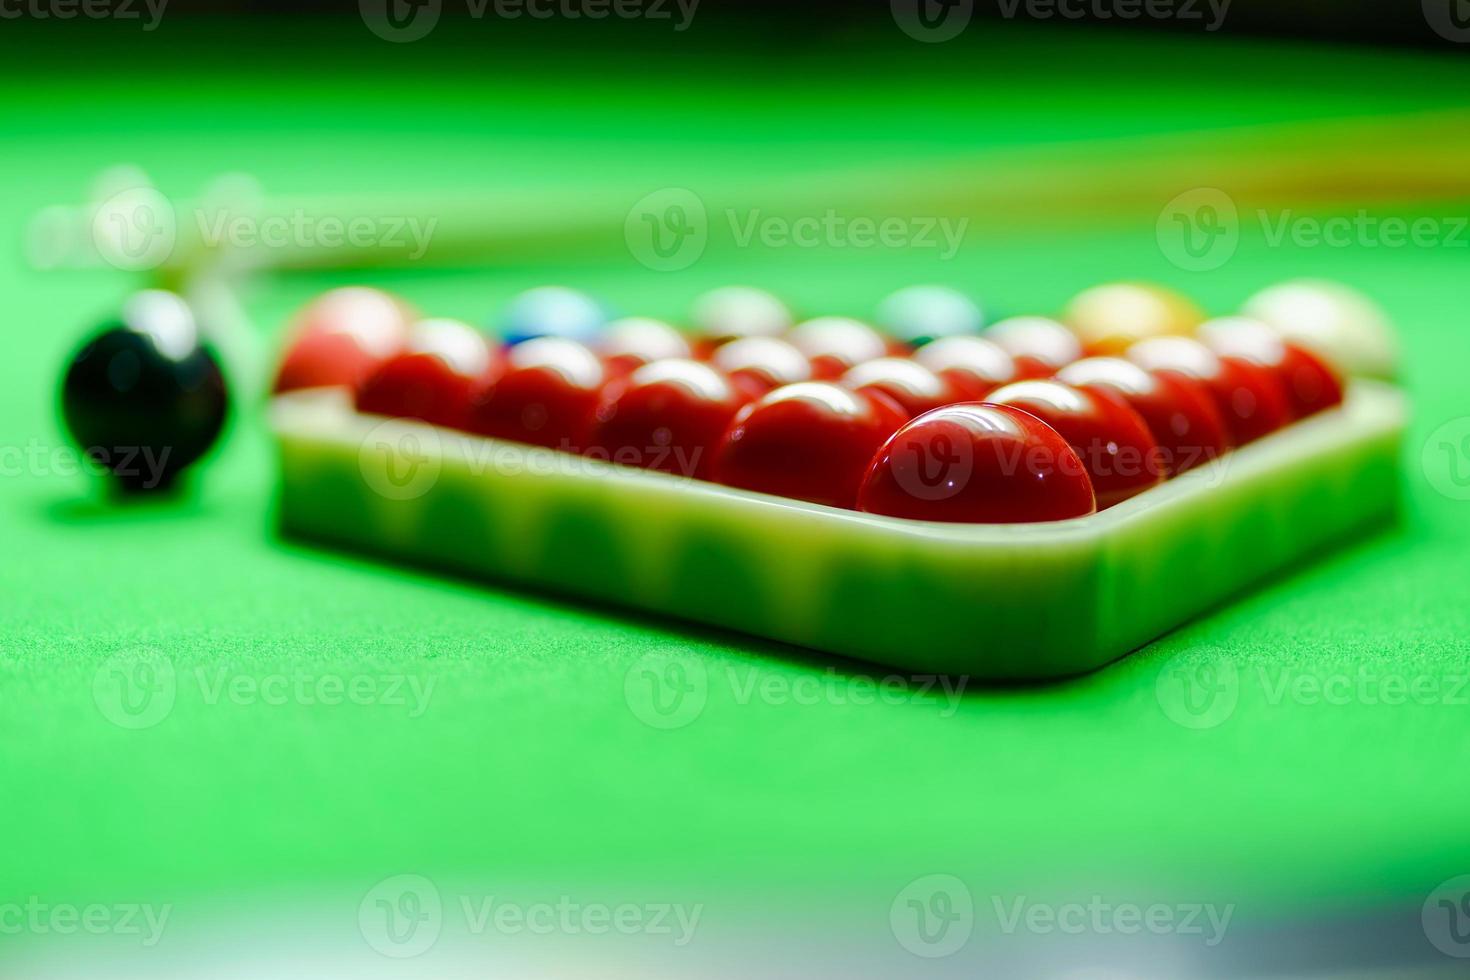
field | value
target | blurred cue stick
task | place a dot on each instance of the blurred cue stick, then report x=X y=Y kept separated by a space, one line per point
x=1322 y=165
x=1363 y=162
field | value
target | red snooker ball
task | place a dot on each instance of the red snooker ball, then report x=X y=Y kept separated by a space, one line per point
x=809 y=441
x=914 y=387
x=760 y=364
x=546 y=396
x=1251 y=399
x=1114 y=443
x=973 y=366
x=1310 y=385
x=434 y=379
x=977 y=464
x=325 y=360
x=668 y=416
x=1179 y=411
x=834 y=344
x=341 y=337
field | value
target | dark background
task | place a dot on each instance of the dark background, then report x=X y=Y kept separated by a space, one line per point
x=810 y=21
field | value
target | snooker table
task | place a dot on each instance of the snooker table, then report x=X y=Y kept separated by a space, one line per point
x=334 y=723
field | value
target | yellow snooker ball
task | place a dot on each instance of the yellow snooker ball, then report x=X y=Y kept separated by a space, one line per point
x=1110 y=318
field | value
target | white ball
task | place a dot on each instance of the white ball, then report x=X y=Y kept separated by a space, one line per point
x=826 y=336
x=377 y=320
x=1037 y=337
x=740 y=311
x=643 y=337
x=918 y=314
x=166 y=318
x=1243 y=336
x=1333 y=320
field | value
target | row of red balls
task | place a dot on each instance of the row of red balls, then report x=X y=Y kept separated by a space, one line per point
x=965 y=429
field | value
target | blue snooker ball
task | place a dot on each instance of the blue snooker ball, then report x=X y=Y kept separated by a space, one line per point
x=553 y=311
x=919 y=314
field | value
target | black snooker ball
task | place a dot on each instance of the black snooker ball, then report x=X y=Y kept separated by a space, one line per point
x=144 y=398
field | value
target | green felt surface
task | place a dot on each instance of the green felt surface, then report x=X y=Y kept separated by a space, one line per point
x=529 y=760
